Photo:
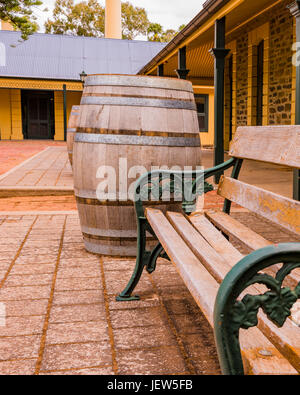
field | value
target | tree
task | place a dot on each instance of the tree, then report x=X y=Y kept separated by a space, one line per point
x=156 y=32
x=135 y=21
x=87 y=18
x=20 y=14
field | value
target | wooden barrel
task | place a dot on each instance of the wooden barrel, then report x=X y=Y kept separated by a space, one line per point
x=72 y=124
x=135 y=121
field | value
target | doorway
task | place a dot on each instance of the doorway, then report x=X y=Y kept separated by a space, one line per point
x=38 y=115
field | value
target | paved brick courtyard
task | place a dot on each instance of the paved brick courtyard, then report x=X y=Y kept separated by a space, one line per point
x=13 y=153
x=62 y=316
x=61 y=313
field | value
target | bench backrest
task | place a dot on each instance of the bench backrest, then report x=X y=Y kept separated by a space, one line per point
x=273 y=144
x=276 y=208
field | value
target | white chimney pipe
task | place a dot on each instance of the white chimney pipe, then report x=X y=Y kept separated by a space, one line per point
x=113 y=19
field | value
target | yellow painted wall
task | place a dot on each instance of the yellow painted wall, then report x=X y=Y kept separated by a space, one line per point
x=207 y=139
x=233 y=54
x=73 y=98
x=52 y=85
x=10 y=114
x=5 y=114
x=59 y=115
x=16 y=115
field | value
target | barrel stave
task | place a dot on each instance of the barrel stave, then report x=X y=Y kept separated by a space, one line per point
x=71 y=130
x=147 y=121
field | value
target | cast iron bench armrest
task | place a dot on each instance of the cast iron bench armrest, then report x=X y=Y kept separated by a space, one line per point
x=231 y=314
x=234 y=292
x=154 y=177
x=146 y=258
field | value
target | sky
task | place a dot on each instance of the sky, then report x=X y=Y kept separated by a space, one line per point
x=169 y=13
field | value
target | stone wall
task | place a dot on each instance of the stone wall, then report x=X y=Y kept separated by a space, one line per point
x=279 y=63
x=281 y=69
x=242 y=80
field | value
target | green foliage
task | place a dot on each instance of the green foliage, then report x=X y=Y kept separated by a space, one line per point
x=156 y=32
x=134 y=21
x=87 y=18
x=20 y=14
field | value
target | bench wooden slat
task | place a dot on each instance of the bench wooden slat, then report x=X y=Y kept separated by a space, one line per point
x=192 y=272
x=215 y=238
x=213 y=262
x=248 y=238
x=203 y=255
x=282 y=211
x=286 y=339
x=204 y=288
x=272 y=144
x=257 y=364
x=232 y=227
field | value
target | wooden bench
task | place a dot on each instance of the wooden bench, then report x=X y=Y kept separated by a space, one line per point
x=250 y=312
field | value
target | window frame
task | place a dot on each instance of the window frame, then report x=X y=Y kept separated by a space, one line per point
x=206 y=112
x=260 y=82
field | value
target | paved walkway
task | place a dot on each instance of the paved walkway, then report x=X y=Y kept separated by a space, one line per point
x=13 y=153
x=62 y=317
x=61 y=314
x=48 y=172
x=52 y=167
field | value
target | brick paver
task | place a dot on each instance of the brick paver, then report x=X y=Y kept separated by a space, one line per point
x=49 y=168
x=62 y=317
x=38 y=203
x=12 y=153
x=68 y=203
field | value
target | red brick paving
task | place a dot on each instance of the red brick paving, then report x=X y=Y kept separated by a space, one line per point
x=62 y=317
x=12 y=153
x=38 y=203
x=213 y=201
x=68 y=203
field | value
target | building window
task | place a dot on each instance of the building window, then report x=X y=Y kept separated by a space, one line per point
x=260 y=83
x=202 y=110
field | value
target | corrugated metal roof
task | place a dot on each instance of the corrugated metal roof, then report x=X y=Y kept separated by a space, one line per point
x=63 y=57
